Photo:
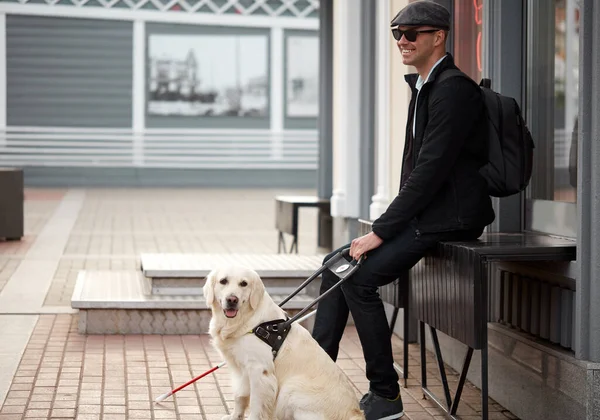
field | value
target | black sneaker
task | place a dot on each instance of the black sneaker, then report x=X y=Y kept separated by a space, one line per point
x=379 y=408
x=364 y=399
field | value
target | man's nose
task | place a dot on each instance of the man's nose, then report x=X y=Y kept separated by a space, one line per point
x=232 y=300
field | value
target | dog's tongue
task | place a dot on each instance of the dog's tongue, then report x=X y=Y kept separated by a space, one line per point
x=230 y=313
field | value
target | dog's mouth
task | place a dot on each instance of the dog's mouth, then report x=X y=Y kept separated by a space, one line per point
x=230 y=313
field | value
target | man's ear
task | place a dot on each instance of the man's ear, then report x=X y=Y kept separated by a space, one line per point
x=256 y=292
x=442 y=36
x=208 y=289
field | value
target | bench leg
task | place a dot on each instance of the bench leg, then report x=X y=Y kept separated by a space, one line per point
x=404 y=370
x=281 y=244
x=451 y=406
x=405 y=344
x=394 y=318
x=423 y=358
x=461 y=381
x=294 y=245
x=406 y=326
x=484 y=380
x=441 y=367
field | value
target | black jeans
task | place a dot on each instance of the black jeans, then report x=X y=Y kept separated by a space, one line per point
x=359 y=295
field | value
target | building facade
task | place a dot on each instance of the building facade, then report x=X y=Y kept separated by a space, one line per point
x=544 y=53
x=151 y=92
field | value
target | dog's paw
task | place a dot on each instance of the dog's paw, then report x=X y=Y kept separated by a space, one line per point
x=232 y=417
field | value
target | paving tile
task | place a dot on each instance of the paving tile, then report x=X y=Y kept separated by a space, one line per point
x=63 y=412
x=89 y=417
x=11 y=417
x=13 y=409
x=64 y=404
x=37 y=413
x=42 y=397
x=114 y=417
x=139 y=414
x=15 y=401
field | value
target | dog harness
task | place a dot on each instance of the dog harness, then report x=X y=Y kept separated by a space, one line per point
x=272 y=333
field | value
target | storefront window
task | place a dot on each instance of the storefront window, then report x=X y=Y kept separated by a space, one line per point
x=553 y=91
x=566 y=95
x=468 y=18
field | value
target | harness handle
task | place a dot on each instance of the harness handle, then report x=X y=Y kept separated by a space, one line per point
x=333 y=264
x=274 y=332
x=338 y=265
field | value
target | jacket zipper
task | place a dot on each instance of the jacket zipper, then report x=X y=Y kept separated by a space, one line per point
x=414 y=136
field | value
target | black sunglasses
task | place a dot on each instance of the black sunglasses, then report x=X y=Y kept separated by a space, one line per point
x=411 y=34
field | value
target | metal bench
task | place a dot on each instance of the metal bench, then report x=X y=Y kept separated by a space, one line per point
x=286 y=219
x=448 y=291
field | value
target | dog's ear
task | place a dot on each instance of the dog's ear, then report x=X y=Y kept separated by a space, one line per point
x=209 y=288
x=257 y=290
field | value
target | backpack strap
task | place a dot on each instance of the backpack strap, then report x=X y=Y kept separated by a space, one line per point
x=446 y=74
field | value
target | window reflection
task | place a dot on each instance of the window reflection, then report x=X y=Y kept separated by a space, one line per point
x=468 y=18
x=566 y=95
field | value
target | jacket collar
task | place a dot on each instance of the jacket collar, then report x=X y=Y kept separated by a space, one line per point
x=447 y=63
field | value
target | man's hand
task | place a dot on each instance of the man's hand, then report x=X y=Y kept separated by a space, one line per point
x=364 y=244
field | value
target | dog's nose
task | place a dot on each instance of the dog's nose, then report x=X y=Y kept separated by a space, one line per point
x=232 y=300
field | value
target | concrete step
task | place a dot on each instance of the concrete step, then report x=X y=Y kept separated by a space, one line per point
x=175 y=274
x=121 y=302
x=193 y=286
x=268 y=266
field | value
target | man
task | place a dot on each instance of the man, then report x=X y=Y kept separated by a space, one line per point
x=442 y=197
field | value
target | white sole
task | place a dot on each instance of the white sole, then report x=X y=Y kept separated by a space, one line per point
x=393 y=416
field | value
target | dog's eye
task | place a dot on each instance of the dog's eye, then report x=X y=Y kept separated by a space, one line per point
x=223 y=281
x=243 y=283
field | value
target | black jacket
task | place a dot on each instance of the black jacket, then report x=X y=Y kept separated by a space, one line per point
x=444 y=191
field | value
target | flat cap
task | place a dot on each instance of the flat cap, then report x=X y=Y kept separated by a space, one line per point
x=423 y=13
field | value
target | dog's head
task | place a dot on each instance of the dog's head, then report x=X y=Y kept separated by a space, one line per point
x=233 y=289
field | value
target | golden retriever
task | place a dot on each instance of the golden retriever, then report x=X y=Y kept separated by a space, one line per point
x=302 y=383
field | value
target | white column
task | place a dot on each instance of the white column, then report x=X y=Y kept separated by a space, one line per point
x=399 y=104
x=277 y=90
x=139 y=91
x=380 y=200
x=3 y=85
x=346 y=113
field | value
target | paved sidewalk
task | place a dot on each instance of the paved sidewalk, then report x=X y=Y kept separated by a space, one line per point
x=49 y=371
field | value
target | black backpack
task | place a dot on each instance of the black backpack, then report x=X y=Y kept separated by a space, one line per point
x=510 y=145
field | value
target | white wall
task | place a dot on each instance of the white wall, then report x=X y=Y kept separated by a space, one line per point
x=399 y=102
x=392 y=101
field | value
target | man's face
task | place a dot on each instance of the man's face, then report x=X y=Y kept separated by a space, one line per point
x=420 y=49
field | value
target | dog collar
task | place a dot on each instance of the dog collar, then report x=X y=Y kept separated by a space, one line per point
x=272 y=333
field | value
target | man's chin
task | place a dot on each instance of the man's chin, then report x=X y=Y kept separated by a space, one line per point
x=230 y=313
x=407 y=61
